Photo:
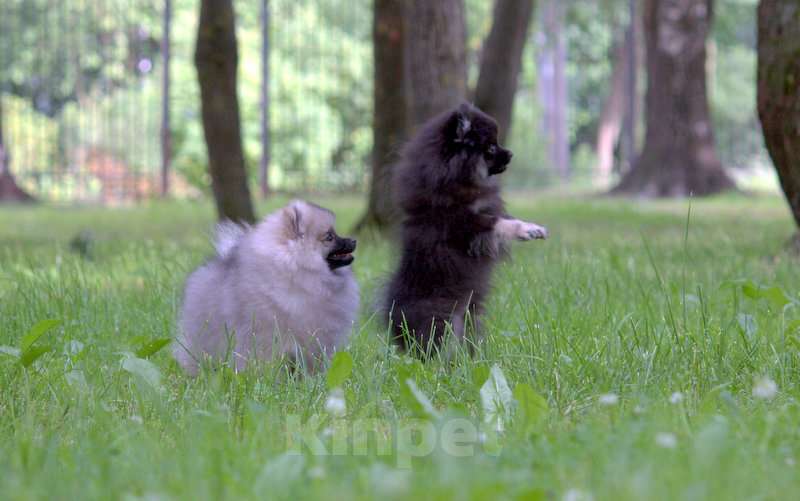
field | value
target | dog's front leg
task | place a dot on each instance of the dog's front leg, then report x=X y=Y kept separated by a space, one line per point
x=509 y=228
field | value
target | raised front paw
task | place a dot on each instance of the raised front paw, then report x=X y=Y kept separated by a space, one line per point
x=530 y=231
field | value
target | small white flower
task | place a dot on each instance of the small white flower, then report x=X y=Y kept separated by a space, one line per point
x=316 y=472
x=577 y=495
x=638 y=410
x=608 y=399
x=676 y=398
x=389 y=481
x=789 y=461
x=765 y=388
x=666 y=440
x=137 y=419
x=335 y=403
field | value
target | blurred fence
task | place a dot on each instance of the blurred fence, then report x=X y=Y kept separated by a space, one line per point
x=82 y=86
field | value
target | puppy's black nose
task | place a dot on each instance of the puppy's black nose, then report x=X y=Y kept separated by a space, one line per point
x=348 y=244
x=504 y=157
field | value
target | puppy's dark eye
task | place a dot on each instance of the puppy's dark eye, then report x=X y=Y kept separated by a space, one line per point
x=491 y=150
x=329 y=237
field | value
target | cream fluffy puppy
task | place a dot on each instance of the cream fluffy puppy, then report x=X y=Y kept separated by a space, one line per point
x=281 y=287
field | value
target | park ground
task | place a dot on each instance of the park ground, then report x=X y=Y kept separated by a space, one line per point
x=647 y=350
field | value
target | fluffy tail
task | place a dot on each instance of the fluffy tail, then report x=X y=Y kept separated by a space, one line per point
x=228 y=235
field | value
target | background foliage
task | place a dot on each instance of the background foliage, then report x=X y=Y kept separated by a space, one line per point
x=88 y=74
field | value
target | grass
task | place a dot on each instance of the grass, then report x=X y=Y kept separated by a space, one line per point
x=643 y=327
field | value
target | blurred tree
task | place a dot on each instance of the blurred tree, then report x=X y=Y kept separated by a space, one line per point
x=420 y=70
x=389 y=111
x=216 y=59
x=679 y=157
x=436 y=57
x=501 y=60
x=552 y=64
x=779 y=93
x=9 y=190
x=263 y=166
x=609 y=124
x=632 y=49
x=165 y=132
x=616 y=123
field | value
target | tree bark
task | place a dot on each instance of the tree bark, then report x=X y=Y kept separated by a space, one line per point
x=779 y=93
x=216 y=58
x=501 y=60
x=9 y=189
x=436 y=57
x=420 y=70
x=389 y=121
x=679 y=157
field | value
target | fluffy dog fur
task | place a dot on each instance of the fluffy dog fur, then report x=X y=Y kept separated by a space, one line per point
x=455 y=227
x=283 y=286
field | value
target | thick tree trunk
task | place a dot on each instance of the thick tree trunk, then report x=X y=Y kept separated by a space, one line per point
x=552 y=59
x=420 y=70
x=679 y=157
x=779 y=93
x=610 y=123
x=9 y=190
x=501 y=60
x=436 y=57
x=389 y=123
x=216 y=58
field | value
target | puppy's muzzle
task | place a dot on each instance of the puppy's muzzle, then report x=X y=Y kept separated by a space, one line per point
x=501 y=161
x=342 y=253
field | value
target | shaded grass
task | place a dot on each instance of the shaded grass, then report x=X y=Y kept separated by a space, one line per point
x=626 y=298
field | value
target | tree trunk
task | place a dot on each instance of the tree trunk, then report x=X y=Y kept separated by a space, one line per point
x=216 y=58
x=779 y=92
x=9 y=190
x=679 y=157
x=420 y=70
x=265 y=104
x=552 y=85
x=501 y=60
x=389 y=123
x=166 y=134
x=436 y=57
x=633 y=55
x=610 y=123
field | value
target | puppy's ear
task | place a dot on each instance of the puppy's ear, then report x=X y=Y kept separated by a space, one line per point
x=293 y=220
x=458 y=125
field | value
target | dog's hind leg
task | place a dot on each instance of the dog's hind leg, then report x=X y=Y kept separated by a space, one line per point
x=417 y=331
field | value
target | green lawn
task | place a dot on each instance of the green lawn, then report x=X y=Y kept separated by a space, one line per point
x=653 y=341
